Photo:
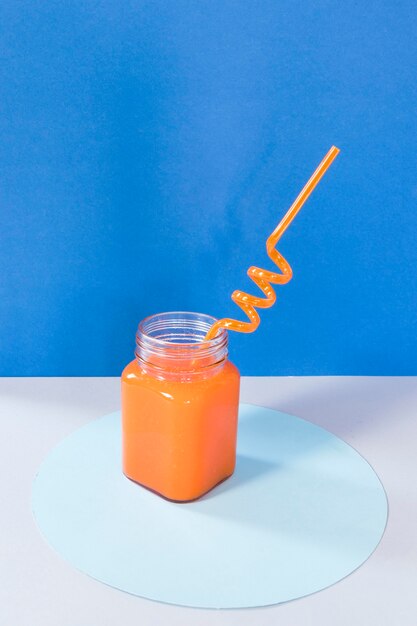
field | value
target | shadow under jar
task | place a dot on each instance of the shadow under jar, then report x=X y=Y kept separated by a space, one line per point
x=180 y=399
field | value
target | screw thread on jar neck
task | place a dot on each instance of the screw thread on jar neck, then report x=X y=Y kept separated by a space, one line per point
x=171 y=346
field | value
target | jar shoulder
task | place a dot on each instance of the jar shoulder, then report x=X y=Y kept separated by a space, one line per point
x=133 y=373
x=232 y=369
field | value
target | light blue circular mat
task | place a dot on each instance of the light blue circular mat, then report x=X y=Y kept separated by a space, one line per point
x=302 y=511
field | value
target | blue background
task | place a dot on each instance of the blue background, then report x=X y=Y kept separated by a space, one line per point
x=148 y=149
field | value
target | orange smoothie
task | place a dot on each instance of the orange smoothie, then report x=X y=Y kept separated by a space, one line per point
x=179 y=415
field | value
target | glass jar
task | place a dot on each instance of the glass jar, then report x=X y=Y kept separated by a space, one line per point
x=180 y=399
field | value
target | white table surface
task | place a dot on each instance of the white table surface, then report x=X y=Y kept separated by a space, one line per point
x=376 y=415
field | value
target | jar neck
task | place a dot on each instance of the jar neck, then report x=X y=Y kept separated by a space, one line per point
x=171 y=346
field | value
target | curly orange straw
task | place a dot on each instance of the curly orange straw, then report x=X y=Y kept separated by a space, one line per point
x=263 y=278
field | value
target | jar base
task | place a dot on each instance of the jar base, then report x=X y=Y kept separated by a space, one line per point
x=176 y=501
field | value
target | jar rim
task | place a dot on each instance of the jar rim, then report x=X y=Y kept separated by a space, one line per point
x=220 y=338
x=172 y=344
